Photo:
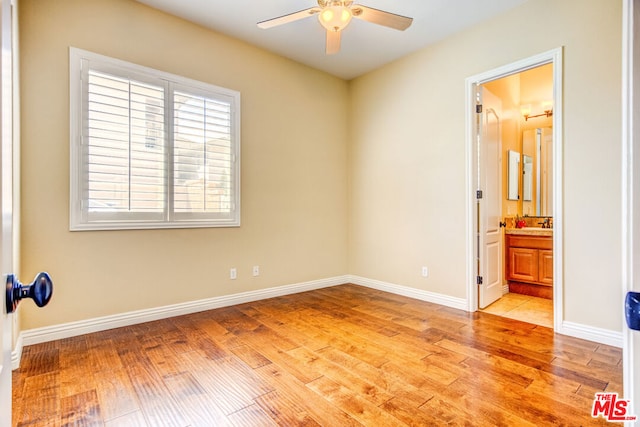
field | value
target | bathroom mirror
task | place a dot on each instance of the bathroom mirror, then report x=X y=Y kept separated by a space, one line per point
x=537 y=170
x=527 y=177
x=513 y=174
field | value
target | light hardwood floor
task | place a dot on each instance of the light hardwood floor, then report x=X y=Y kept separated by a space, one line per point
x=339 y=356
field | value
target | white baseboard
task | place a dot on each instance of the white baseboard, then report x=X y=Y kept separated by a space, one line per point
x=16 y=354
x=576 y=330
x=67 y=330
x=71 y=329
x=448 y=301
x=590 y=333
x=81 y=327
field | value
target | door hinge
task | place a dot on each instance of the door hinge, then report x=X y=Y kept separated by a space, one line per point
x=479 y=194
x=478 y=108
x=479 y=280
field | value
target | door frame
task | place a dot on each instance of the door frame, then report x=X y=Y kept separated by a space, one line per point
x=630 y=193
x=7 y=159
x=554 y=57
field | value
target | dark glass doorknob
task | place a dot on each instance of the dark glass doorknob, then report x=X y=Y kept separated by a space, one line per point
x=632 y=310
x=40 y=291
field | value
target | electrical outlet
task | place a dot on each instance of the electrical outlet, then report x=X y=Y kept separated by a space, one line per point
x=425 y=272
x=233 y=274
x=256 y=270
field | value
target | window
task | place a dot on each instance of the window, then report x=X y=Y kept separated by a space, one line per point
x=150 y=149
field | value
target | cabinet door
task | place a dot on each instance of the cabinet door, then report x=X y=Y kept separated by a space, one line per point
x=523 y=264
x=545 y=268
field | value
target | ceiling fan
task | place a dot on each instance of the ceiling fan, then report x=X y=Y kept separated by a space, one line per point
x=336 y=15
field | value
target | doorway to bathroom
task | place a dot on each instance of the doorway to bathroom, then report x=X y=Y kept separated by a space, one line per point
x=514 y=147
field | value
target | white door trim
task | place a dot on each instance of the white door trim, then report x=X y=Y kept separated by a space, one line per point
x=6 y=202
x=553 y=56
x=629 y=233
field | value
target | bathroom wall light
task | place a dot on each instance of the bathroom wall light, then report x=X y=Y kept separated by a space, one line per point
x=547 y=107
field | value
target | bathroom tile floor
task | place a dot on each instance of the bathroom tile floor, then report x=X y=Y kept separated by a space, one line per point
x=538 y=311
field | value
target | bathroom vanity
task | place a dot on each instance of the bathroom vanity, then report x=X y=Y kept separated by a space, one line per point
x=529 y=261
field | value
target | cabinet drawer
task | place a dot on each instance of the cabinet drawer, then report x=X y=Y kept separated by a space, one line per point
x=533 y=242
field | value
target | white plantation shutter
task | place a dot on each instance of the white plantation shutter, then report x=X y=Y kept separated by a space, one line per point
x=150 y=149
x=202 y=156
x=125 y=146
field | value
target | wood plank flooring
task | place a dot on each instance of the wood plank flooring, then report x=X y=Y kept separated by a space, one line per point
x=340 y=356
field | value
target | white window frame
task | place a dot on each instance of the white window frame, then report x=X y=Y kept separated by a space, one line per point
x=79 y=217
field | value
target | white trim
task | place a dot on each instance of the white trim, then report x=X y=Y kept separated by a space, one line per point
x=576 y=330
x=16 y=354
x=446 y=300
x=470 y=224
x=590 y=333
x=81 y=62
x=554 y=57
x=558 y=190
x=72 y=329
x=628 y=234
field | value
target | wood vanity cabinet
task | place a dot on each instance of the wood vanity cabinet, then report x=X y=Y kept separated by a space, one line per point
x=529 y=264
x=545 y=267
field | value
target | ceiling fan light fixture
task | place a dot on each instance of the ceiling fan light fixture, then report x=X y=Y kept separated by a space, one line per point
x=335 y=17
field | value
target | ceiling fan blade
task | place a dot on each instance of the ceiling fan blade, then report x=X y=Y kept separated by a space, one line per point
x=285 y=19
x=333 y=42
x=381 y=17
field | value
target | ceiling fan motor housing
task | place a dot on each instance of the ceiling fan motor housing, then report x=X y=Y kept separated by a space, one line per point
x=335 y=15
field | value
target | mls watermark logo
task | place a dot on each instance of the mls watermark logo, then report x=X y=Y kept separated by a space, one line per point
x=611 y=408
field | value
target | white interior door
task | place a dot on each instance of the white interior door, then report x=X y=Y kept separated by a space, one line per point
x=631 y=195
x=490 y=247
x=6 y=203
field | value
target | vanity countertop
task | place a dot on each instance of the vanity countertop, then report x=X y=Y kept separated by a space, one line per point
x=530 y=231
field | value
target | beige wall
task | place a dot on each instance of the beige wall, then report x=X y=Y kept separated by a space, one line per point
x=294 y=168
x=407 y=154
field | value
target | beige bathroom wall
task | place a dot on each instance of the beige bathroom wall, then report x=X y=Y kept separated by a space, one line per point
x=294 y=168
x=407 y=154
x=508 y=90
x=530 y=87
x=537 y=87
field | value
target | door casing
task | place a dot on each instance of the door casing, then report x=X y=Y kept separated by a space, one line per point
x=554 y=57
x=6 y=201
x=630 y=166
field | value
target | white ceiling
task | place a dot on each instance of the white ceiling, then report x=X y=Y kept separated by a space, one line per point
x=365 y=46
